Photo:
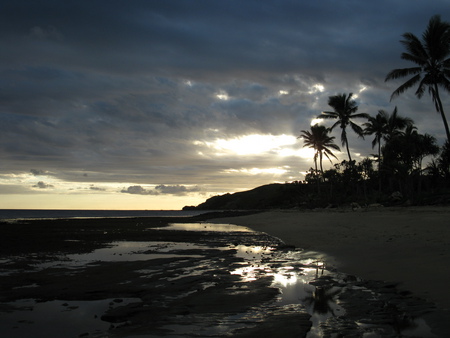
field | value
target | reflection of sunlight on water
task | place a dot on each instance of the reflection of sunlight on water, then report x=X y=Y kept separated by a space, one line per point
x=205 y=227
x=292 y=273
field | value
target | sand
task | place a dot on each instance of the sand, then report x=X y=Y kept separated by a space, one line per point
x=409 y=246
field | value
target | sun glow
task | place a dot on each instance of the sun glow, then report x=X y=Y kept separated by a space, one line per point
x=254 y=144
x=258 y=171
x=316 y=121
x=317 y=88
x=222 y=95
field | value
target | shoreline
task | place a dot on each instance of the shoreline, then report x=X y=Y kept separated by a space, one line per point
x=407 y=246
x=43 y=241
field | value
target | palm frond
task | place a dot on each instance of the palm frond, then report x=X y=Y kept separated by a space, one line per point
x=402 y=72
x=360 y=116
x=357 y=129
x=413 y=45
x=328 y=115
x=408 y=84
x=419 y=60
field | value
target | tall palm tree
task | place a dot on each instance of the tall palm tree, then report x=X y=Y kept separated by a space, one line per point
x=345 y=109
x=432 y=59
x=318 y=138
x=377 y=125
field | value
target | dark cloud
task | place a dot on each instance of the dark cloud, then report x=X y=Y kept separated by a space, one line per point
x=175 y=189
x=137 y=190
x=42 y=185
x=37 y=172
x=96 y=188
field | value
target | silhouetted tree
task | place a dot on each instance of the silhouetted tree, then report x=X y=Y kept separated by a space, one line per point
x=395 y=125
x=404 y=154
x=345 y=109
x=385 y=126
x=318 y=138
x=432 y=59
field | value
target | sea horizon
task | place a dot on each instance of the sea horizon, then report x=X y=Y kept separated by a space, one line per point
x=92 y=213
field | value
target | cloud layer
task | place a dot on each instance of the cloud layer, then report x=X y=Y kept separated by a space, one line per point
x=150 y=96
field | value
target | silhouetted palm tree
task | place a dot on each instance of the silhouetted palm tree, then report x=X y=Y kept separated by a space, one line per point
x=377 y=125
x=385 y=126
x=345 y=109
x=395 y=124
x=318 y=138
x=432 y=59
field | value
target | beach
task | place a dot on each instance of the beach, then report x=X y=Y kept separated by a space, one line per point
x=293 y=273
x=409 y=246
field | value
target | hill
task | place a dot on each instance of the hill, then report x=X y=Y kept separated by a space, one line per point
x=270 y=196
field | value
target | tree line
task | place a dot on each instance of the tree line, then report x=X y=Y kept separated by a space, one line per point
x=397 y=165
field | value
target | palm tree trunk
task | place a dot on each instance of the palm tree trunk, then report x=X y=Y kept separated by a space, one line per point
x=348 y=152
x=441 y=110
x=315 y=161
x=321 y=167
x=379 y=165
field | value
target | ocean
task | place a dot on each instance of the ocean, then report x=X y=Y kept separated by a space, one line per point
x=49 y=214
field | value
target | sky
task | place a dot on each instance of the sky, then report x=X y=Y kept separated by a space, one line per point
x=109 y=104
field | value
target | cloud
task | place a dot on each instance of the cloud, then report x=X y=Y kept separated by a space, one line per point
x=162 y=189
x=38 y=172
x=137 y=190
x=45 y=33
x=42 y=185
x=96 y=188
x=176 y=189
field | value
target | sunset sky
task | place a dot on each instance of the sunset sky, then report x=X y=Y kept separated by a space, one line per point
x=161 y=104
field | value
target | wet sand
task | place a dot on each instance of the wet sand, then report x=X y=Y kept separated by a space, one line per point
x=25 y=245
x=409 y=246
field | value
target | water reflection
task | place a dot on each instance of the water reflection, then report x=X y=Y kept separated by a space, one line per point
x=206 y=227
x=321 y=300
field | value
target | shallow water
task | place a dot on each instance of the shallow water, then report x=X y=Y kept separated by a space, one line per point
x=304 y=282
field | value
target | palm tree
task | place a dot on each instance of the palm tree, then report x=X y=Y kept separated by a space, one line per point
x=318 y=139
x=395 y=124
x=385 y=126
x=432 y=59
x=344 y=111
x=377 y=125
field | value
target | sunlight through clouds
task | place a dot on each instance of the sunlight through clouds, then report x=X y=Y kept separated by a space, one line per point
x=317 y=88
x=222 y=95
x=258 y=171
x=316 y=121
x=254 y=144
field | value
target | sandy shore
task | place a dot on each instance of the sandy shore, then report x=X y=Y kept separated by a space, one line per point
x=410 y=246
